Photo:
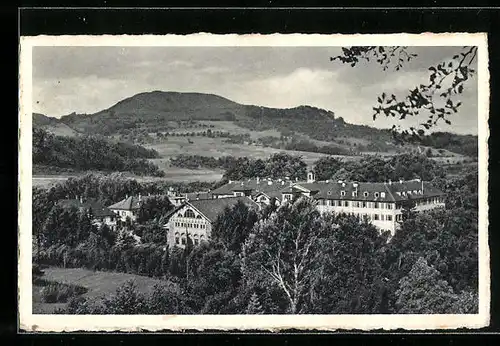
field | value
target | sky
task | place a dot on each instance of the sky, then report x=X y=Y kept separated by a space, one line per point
x=90 y=79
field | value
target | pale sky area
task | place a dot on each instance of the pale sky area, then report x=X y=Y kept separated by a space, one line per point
x=90 y=79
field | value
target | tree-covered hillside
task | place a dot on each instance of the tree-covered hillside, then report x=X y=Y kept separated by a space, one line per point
x=162 y=112
x=91 y=153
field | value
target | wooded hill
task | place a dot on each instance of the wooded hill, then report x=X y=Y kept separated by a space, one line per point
x=159 y=111
x=83 y=153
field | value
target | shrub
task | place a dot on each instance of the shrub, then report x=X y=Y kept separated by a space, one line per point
x=54 y=292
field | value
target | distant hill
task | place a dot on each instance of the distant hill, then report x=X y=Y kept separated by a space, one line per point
x=160 y=111
x=52 y=125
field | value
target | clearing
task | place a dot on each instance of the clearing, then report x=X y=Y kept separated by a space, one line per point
x=98 y=284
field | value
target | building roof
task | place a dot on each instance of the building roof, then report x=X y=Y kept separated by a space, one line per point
x=212 y=208
x=372 y=191
x=254 y=185
x=129 y=203
x=199 y=195
x=98 y=209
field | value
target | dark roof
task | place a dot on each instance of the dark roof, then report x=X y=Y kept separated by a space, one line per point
x=393 y=191
x=98 y=209
x=199 y=195
x=133 y=202
x=264 y=185
x=129 y=203
x=212 y=208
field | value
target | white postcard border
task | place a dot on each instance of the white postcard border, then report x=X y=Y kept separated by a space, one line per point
x=53 y=323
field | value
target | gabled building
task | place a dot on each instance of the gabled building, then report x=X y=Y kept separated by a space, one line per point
x=127 y=208
x=194 y=219
x=98 y=212
x=130 y=206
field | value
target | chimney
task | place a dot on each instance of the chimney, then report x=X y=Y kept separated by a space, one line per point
x=140 y=197
x=390 y=181
x=401 y=181
x=81 y=199
x=258 y=180
x=282 y=182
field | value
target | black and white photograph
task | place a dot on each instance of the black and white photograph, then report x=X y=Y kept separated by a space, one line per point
x=232 y=182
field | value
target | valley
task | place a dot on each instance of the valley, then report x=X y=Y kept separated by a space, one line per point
x=175 y=124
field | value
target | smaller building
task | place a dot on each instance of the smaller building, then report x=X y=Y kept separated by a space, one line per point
x=98 y=212
x=127 y=208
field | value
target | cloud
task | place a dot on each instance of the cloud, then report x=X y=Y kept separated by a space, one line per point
x=89 y=79
x=301 y=86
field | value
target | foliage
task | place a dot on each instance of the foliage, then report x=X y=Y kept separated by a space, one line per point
x=92 y=153
x=54 y=292
x=437 y=98
x=153 y=208
x=278 y=165
x=423 y=292
x=326 y=167
x=233 y=226
x=283 y=249
x=461 y=144
x=351 y=276
x=377 y=169
x=254 y=307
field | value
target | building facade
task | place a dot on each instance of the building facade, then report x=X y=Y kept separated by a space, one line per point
x=379 y=203
x=193 y=220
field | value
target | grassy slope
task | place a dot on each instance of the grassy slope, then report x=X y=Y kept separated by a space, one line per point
x=97 y=283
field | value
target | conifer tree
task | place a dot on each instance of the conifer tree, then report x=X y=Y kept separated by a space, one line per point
x=254 y=307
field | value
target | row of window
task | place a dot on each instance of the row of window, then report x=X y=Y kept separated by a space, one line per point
x=375 y=217
x=190 y=225
x=356 y=204
x=181 y=239
x=190 y=214
x=365 y=194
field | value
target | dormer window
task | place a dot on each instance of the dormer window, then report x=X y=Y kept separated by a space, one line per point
x=404 y=193
x=376 y=194
x=382 y=194
x=365 y=194
x=398 y=193
x=329 y=193
x=355 y=194
x=342 y=193
x=415 y=192
x=420 y=192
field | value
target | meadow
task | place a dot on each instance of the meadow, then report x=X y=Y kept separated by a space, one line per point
x=98 y=284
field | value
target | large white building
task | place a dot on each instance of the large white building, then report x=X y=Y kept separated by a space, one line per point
x=380 y=203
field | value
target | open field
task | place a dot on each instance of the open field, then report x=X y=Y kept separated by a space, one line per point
x=47 y=181
x=216 y=147
x=98 y=284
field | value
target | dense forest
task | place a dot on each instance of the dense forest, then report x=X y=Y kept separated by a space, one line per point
x=378 y=169
x=91 y=153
